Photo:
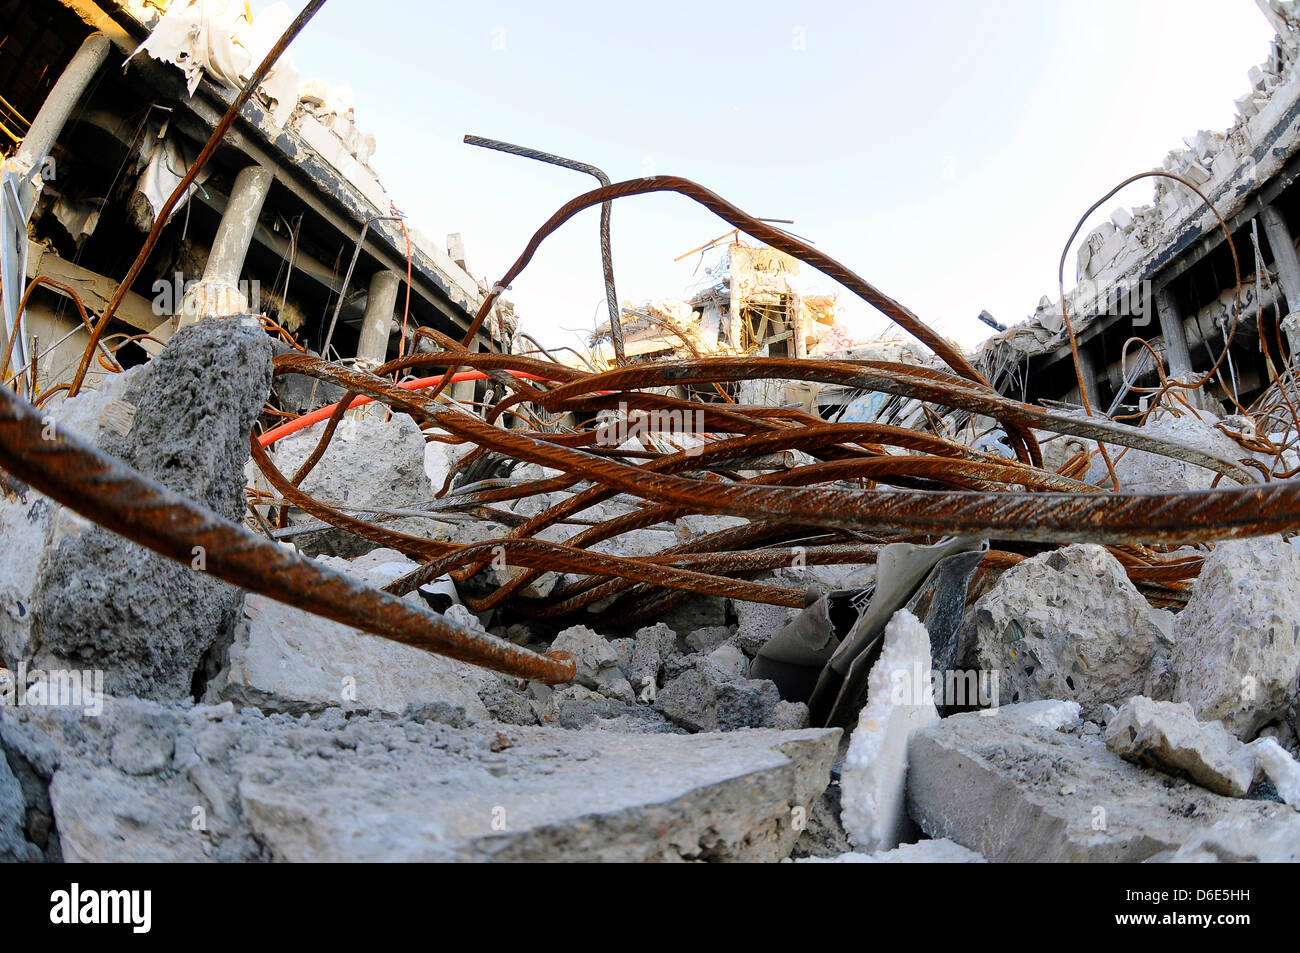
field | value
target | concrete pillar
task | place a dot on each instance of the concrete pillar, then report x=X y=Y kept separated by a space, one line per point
x=464 y=391
x=218 y=293
x=1088 y=371
x=1284 y=254
x=63 y=98
x=45 y=129
x=377 y=325
x=1288 y=265
x=1174 y=331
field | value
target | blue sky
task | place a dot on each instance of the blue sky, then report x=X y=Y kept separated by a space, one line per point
x=943 y=150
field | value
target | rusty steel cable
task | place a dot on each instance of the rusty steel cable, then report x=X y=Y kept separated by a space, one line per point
x=1191 y=516
x=122 y=500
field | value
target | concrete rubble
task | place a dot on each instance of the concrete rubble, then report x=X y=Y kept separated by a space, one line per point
x=1028 y=793
x=1236 y=654
x=207 y=783
x=1021 y=700
x=1167 y=736
x=1067 y=625
x=73 y=591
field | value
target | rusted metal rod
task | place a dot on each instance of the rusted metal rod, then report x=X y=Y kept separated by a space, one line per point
x=115 y=496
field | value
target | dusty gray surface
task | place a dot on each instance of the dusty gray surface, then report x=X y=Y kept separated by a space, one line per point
x=1017 y=792
x=209 y=783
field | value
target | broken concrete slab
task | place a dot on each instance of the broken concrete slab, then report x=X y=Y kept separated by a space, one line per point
x=1017 y=792
x=1280 y=768
x=371 y=788
x=1236 y=656
x=77 y=595
x=942 y=851
x=1167 y=736
x=873 y=779
x=283 y=659
x=1066 y=625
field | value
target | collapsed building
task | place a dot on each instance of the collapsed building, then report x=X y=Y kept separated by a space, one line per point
x=288 y=219
x=1167 y=274
x=747 y=602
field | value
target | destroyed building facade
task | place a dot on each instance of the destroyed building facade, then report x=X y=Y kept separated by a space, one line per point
x=288 y=219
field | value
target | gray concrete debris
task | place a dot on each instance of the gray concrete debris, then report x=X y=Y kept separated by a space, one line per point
x=284 y=659
x=1152 y=472
x=1031 y=794
x=730 y=657
x=708 y=638
x=1236 y=655
x=596 y=660
x=244 y=786
x=1235 y=840
x=1280 y=768
x=758 y=622
x=14 y=846
x=76 y=593
x=942 y=851
x=580 y=709
x=654 y=644
x=708 y=697
x=370 y=463
x=1066 y=625
x=1167 y=736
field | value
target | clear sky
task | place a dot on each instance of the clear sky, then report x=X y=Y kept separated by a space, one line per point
x=941 y=149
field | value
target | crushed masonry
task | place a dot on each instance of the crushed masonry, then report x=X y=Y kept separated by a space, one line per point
x=311 y=570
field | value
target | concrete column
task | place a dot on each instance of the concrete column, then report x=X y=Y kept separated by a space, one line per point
x=1284 y=255
x=1088 y=371
x=464 y=391
x=63 y=98
x=1288 y=267
x=218 y=293
x=1175 y=334
x=377 y=326
x=46 y=126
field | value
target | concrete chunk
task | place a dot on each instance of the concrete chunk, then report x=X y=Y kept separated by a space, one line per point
x=1236 y=656
x=1066 y=625
x=1280 y=768
x=78 y=596
x=1167 y=736
x=1016 y=792
x=284 y=659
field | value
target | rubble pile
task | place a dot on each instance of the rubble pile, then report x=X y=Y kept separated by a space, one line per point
x=1109 y=729
x=733 y=604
